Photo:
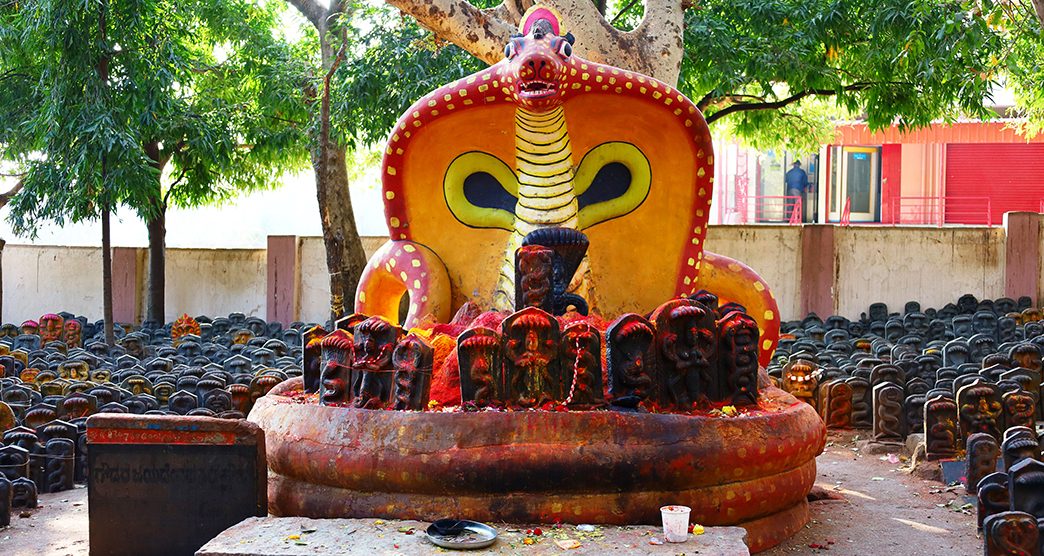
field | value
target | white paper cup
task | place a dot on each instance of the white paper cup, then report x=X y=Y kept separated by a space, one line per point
x=675 y=523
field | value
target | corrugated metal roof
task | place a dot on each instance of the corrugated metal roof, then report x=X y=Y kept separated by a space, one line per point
x=959 y=132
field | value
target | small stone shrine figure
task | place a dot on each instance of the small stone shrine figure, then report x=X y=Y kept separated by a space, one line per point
x=533 y=276
x=980 y=409
x=72 y=333
x=412 y=359
x=14 y=462
x=1019 y=408
x=375 y=340
x=992 y=496
x=336 y=367
x=799 y=379
x=312 y=358
x=738 y=359
x=983 y=452
x=913 y=413
x=531 y=370
x=60 y=466
x=862 y=416
x=629 y=346
x=480 y=364
x=940 y=428
x=543 y=285
x=838 y=413
x=182 y=327
x=1008 y=533
x=50 y=328
x=1027 y=355
x=23 y=493
x=1019 y=443
x=1026 y=487
x=582 y=359
x=686 y=347
x=888 y=413
x=5 y=502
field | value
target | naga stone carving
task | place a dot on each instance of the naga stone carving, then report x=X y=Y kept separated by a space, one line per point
x=50 y=328
x=862 y=414
x=72 y=333
x=1019 y=409
x=23 y=493
x=800 y=381
x=61 y=464
x=980 y=409
x=412 y=359
x=14 y=462
x=837 y=407
x=552 y=271
x=983 y=452
x=956 y=352
x=533 y=265
x=913 y=411
x=992 y=496
x=531 y=365
x=336 y=368
x=375 y=340
x=629 y=348
x=1026 y=355
x=1019 y=443
x=1010 y=533
x=1026 y=487
x=481 y=366
x=582 y=358
x=888 y=413
x=738 y=360
x=940 y=428
x=5 y=502
x=686 y=347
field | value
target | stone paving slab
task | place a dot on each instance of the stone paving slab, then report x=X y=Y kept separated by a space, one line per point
x=298 y=536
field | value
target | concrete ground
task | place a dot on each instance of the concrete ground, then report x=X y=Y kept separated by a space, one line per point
x=871 y=506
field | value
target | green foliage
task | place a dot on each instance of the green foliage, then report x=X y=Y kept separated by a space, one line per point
x=1021 y=62
x=201 y=88
x=757 y=62
x=392 y=63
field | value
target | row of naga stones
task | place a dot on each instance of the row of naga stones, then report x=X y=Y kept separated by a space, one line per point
x=75 y=331
x=969 y=316
x=947 y=413
x=133 y=349
x=48 y=458
x=684 y=354
x=213 y=394
x=1010 y=503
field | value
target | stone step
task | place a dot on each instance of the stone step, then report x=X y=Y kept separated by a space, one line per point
x=300 y=536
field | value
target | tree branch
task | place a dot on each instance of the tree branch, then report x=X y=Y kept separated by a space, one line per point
x=311 y=10
x=172 y=187
x=749 y=106
x=1038 y=7
x=6 y=197
x=622 y=11
x=457 y=21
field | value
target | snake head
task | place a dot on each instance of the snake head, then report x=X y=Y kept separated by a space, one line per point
x=537 y=61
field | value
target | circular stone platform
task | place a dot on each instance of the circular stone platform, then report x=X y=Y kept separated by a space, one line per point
x=539 y=467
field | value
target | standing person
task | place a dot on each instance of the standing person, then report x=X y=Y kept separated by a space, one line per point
x=797 y=183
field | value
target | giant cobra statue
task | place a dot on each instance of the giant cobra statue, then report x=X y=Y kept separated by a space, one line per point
x=547 y=173
x=547 y=139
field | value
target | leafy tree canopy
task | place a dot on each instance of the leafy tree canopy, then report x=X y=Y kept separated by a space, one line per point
x=98 y=97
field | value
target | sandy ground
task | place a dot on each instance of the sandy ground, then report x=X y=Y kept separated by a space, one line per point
x=879 y=509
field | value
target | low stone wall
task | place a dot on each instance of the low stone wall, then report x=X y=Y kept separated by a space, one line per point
x=824 y=268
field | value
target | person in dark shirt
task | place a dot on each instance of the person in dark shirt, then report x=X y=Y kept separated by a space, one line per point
x=796 y=180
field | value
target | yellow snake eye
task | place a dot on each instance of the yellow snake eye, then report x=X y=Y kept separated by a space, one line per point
x=481 y=191
x=612 y=180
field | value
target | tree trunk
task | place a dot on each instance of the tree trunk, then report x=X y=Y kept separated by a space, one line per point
x=2 y=243
x=110 y=338
x=157 y=225
x=1038 y=8
x=345 y=258
x=653 y=48
x=156 y=222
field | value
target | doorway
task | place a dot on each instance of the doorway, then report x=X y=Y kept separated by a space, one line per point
x=855 y=180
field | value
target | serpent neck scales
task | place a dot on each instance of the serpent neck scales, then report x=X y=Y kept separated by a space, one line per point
x=544 y=168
